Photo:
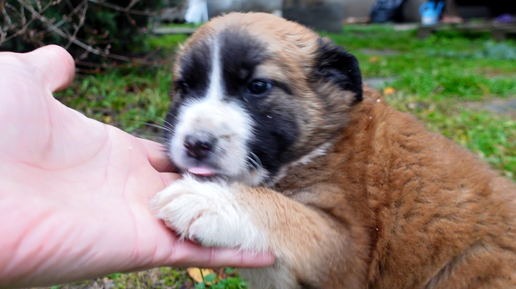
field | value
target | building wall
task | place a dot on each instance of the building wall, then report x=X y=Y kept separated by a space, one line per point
x=217 y=7
x=411 y=10
x=358 y=8
x=352 y=8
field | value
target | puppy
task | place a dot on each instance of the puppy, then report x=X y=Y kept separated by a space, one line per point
x=284 y=150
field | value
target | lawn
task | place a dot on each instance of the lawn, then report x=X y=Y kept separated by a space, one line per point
x=460 y=85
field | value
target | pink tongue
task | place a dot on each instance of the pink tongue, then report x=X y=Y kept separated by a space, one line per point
x=201 y=171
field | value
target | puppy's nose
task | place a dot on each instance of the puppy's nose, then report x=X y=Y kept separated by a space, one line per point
x=199 y=146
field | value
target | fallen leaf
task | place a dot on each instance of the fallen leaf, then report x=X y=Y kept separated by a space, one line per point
x=389 y=90
x=374 y=59
x=195 y=274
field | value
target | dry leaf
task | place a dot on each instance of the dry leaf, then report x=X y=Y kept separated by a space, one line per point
x=389 y=90
x=374 y=59
x=195 y=274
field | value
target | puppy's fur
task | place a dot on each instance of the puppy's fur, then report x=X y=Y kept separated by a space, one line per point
x=346 y=191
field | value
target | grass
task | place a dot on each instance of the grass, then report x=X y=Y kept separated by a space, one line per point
x=443 y=80
x=437 y=79
x=124 y=98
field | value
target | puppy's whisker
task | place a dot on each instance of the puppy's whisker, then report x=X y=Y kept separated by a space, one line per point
x=159 y=126
x=254 y=161
x=257 y=159
x=165 y=122
x=251 y=164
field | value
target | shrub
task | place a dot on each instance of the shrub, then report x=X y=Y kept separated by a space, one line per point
x=93 y=31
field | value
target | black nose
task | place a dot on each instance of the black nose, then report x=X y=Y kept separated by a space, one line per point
x=199 y=146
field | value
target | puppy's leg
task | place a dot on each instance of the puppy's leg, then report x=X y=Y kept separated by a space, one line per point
x=312 y=250
x=209 y=213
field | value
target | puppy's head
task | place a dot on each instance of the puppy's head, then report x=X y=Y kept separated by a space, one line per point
x=254 y=93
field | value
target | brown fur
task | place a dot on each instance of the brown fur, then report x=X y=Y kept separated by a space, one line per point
x=390 y=205
x=433 y=216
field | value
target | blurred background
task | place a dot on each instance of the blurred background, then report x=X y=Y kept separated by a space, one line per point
x=451 y=63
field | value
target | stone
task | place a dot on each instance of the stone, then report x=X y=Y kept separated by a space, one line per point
x=319 y=15
x=502 y=106
x=378 y=82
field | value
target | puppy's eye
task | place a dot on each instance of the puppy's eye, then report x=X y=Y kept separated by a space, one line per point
x=259 y=87
x=182 y=87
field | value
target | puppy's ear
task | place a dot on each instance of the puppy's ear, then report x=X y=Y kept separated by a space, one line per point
x=338 y=66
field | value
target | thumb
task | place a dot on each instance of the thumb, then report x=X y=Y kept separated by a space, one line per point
x=54 y=65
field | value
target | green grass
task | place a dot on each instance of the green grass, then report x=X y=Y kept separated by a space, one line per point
x=229 y=282
x=167 y=42
x=126 y=99
x=173 y=278
x=442 y=80
x=442 y=74
x=492 y=137
x=162 y=277
x=443 y=65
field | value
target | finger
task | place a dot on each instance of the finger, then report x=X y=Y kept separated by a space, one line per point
x=188 y=254
x=239 y=259
x=54 y=65
x=157 y=156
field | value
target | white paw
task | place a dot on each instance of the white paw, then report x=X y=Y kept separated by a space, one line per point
x=207 y=213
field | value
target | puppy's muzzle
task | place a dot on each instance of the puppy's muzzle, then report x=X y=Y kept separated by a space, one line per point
x=200 y=145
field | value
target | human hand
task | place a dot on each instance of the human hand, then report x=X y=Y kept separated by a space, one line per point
x=74 y=193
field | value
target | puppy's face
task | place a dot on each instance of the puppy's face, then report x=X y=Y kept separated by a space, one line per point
x=254 y=93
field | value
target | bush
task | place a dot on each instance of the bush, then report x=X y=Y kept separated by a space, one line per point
x=93 y=31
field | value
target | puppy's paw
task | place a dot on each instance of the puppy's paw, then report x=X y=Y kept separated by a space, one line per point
x=208 y=213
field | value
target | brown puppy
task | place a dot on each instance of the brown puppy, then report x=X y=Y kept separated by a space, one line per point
x=282 y=150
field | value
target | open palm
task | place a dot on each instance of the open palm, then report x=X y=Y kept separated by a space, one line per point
x=74 y=192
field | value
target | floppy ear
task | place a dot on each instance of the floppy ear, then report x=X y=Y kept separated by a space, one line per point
x=338 y=66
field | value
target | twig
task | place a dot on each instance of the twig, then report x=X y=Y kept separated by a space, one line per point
x=66 y=17
x=22 y=13
x=81 y=22
x=19 y=23
x=57 y=30
x=3 y=34
x=126 y=10
x=132 y=4
x=24 y=28
x=75 y=41
x=6 y=16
